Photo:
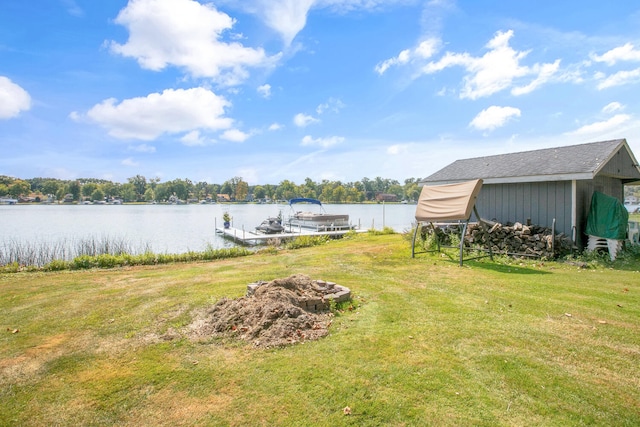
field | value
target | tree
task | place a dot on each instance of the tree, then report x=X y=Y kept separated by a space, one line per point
x=213 y=189
x=354 y=196
x=88 y=189
x=395 y=189
x=270 y=190
x=412 y=189
x=97 y=195
x=74 y=189
x=19 y=188
x=367 y=185
x=60 y=193
x=149 y=195
x=286 y=190
x=226 y=188
x=180 y=188
x=112 y=190
x=153 y=182
x=50 y=187
x=339 y=194
x=309 y=189
x=129 y=193
x=327 y=194
x=241 y=190
x=259 y=192
x=162 y=191
x=201 y=190
x=139 y=184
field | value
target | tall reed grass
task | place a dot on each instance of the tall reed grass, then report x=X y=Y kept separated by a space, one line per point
x=94 y=252
x=40 y=254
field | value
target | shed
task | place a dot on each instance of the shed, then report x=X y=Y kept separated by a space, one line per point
x=542 y=185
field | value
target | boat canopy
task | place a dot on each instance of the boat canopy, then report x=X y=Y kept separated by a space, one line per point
x=304 y=200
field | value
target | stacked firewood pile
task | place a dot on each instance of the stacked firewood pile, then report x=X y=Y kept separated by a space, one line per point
x=512 y=239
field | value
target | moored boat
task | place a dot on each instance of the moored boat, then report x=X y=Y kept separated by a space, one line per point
x=271 y=225
x=319 y=221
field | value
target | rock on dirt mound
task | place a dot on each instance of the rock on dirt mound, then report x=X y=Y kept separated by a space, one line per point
x=274 y=314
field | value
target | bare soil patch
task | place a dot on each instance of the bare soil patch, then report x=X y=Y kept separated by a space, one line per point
x=277 y=313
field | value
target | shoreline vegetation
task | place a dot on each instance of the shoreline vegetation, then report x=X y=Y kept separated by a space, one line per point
x=184 y=191
x=423 y=342
x=110 y=252
x=107 y=252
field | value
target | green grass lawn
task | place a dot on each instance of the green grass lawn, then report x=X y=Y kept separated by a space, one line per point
x=429 y=343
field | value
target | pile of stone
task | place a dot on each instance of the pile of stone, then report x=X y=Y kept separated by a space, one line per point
x=310 y=295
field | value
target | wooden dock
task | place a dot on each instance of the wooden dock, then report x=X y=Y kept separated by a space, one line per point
x=247 y=237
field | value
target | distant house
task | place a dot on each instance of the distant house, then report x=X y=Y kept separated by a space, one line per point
x=541 y=186
x=8 y=201
x=223 y=198
x=384 y=197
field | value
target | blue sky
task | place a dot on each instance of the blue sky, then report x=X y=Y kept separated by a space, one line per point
x=270 y=90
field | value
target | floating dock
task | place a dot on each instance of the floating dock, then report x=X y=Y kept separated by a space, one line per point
x=247 y=237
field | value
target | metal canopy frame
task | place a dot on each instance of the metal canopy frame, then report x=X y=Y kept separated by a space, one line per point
x=450 y=204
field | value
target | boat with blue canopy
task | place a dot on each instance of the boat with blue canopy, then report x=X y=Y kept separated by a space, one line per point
x=320 y=220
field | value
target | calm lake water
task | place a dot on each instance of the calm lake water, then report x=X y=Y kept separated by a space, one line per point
x=168 y=228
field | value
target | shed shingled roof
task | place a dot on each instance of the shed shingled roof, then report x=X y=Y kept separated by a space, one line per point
x=581 y=161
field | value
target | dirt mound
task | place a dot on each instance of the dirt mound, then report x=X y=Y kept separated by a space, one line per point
x=274 y=314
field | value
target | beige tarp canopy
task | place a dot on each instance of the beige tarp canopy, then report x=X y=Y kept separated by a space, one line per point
x=449 y=202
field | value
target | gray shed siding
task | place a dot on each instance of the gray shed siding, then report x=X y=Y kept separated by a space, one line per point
x=619 y=166
x=540 y=202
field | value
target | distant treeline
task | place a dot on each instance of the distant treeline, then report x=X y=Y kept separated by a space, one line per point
x=141 y=189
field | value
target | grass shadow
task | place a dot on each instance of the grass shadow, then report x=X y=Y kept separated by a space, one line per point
x=503 y=268
x=486 y=263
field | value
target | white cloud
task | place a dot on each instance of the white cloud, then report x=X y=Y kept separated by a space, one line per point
x=287 y=17
x=235 y=135
x=603 y=126
x=428 y=48
x=402 y=58
x=129 y=162
x=545 y=72
x=143 y=148
x=612 y=107
x=618 y=79
x=397 y=149
x=265 y=90
x=172 y=111
x=494 y=117
x=626 y=52
x=496 y=70
x=193 y=139
x=333 y=105
x=425 y=50
x=322 y=142
x=186 y=34
x=13 y=99
x=303 y=120
x=275 y=126
x=73 y=8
